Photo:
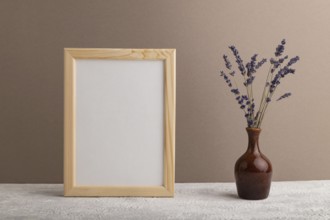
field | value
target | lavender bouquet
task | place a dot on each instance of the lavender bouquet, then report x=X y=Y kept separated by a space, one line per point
x=276 y=72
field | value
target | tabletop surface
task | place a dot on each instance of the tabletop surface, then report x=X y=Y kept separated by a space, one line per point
x=287 y=200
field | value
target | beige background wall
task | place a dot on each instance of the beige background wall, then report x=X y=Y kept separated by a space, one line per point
x=210 y=127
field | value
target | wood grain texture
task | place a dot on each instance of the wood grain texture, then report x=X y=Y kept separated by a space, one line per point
x=136 y=191
x=70 y=186
x=69 y=122
x=170 y=102
x=120 y=54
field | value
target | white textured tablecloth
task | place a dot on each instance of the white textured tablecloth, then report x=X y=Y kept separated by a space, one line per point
x=288 y=200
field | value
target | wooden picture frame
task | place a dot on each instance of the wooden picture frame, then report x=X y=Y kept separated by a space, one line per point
x=85 y=73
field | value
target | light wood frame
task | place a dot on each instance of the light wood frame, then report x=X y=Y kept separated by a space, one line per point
x=70 y=56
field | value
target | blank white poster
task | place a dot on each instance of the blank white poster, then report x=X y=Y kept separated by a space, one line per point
x=119 y=118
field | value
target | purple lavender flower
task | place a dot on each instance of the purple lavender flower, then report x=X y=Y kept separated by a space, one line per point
x=251 y=109
x=246 y=102
x=248 y=119
x=250 y=66
x=280 y=48
x=235 y=91
x=239 y=61
x=282 y=59
x=274 y=83
x=286 y=95
x=281 y=74
x=249 y=80
x=272 y=88
x=285 y=71
x=259 y=64
x=227 y=62
x=293 y=60
x=277 y=63
x=226 y=78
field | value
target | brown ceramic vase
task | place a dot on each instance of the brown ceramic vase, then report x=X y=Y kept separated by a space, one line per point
x=253 y=171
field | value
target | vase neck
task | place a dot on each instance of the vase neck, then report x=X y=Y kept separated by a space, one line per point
x=253 y=134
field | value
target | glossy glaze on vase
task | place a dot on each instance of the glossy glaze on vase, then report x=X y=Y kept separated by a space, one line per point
x=253 y=171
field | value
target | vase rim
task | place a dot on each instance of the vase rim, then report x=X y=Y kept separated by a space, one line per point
x=253 y=129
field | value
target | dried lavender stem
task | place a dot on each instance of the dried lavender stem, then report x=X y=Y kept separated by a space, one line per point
x=263 y=93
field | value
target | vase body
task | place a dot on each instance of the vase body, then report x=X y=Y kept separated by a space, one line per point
x=253 y=171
